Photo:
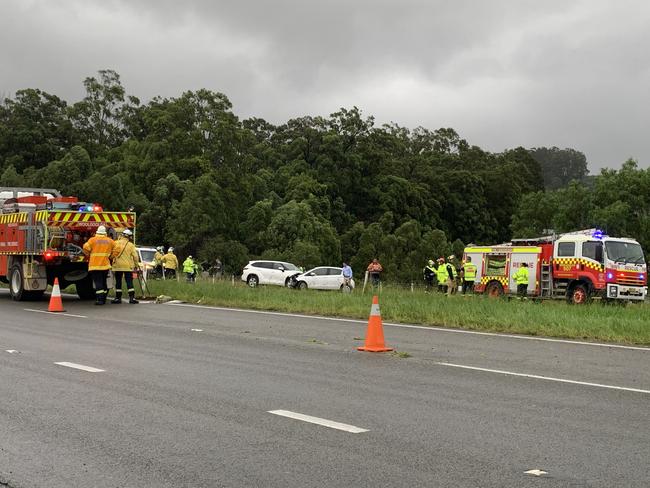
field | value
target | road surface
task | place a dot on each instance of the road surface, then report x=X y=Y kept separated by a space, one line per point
x=181 y=396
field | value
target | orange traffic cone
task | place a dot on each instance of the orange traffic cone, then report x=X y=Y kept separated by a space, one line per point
x=56 y=305
x=375 y=333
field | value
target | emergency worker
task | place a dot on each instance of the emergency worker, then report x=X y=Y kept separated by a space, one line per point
x=157 y=261
x=98 y=249
x=452 y=274
x=469 y=275
x=441 y=274
x=125 y=262
x=189 y=268
x=170 y=263
x=521 y=278
x=429 y=273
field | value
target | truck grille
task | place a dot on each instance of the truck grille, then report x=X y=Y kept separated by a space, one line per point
x=629 y=281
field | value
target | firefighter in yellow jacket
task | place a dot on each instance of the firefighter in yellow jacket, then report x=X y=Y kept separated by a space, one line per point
x=125 y=262
x=99 y=248
x=170 y=263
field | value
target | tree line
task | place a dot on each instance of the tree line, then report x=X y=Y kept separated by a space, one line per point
x=314 y=190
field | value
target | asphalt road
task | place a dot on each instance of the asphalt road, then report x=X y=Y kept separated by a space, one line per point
x=177 y=407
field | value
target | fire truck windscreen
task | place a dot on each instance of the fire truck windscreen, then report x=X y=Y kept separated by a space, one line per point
x=624 y=252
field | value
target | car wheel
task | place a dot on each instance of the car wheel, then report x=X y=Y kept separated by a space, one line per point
x=346 y=288
x=302 y=285
x=287 y=282
x=252 y=281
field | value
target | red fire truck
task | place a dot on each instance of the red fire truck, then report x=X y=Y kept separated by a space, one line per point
x=41 y=238
x=576 y=266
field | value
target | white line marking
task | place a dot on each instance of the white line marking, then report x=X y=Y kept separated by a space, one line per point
x=56 y=313
x=317 y=420
x=535 y=472
x=196 y=330
x=11 y=351
x=422 y=327
x=90 y=369
x=547 y=378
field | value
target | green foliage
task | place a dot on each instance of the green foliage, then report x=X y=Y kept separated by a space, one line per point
x=313 y=191
x=560 y=166
x=618 y=202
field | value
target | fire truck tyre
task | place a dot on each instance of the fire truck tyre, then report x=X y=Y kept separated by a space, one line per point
x=85 y=289
x=494 y=289
x=578 y=295
x=17 y=286
x=252 y=281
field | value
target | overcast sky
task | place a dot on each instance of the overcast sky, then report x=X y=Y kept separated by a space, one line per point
x=503 y=73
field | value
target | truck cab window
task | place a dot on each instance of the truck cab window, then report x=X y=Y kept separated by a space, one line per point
x=566 y=249
x=593 y=250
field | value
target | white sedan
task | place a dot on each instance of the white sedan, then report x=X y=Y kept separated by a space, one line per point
x=323 y=278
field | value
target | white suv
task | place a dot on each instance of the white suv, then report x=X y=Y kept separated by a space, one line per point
x=262 y=272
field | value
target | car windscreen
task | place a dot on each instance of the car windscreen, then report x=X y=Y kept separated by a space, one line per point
x=290 y=267
x=624 y=252
x=147 y=255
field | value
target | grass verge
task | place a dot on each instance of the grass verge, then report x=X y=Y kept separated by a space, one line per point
x=596 y=321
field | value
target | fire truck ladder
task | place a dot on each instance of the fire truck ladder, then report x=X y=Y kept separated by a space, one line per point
x=546 y=281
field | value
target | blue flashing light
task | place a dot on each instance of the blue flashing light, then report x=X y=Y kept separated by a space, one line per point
x=598 y=234
x=610 y=276
x=641 y=276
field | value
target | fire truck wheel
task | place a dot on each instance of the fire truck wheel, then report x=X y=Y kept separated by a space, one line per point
x=578 y=295
x=494 y=289
x=17 y=286
x=16 y=283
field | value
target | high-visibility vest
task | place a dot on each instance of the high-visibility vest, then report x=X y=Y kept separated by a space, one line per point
x=521 y=276
x=470 y=271
x=441 y=273
x=99 y=249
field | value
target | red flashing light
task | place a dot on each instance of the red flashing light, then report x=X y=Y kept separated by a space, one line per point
x=49 y=255
x=97 y=208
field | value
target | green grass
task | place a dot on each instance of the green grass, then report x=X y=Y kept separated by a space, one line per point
x=596 y=321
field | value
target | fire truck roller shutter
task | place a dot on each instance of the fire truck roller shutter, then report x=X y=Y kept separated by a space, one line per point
x=532 y=260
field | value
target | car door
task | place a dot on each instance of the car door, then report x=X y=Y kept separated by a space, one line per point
x=317 y=278
x=334 y=278
x=278 y=274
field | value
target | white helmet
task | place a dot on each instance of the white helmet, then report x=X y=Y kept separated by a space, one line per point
x=160 y=248
x=171 y=249
x=101 y=230
x=127 y=232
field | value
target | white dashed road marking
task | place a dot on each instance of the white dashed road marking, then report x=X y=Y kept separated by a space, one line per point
x=547 y=378
x=90 y=369
x=196 y=330
x=56 y=313
x=11 y=351
x=319 y=421
x=535 y=472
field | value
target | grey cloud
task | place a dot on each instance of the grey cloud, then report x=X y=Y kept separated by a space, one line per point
x=503 y=73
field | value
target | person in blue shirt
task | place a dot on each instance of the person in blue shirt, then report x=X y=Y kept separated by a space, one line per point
x=347 y=274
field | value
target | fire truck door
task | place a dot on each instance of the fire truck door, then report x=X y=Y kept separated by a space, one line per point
x=531 y=259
